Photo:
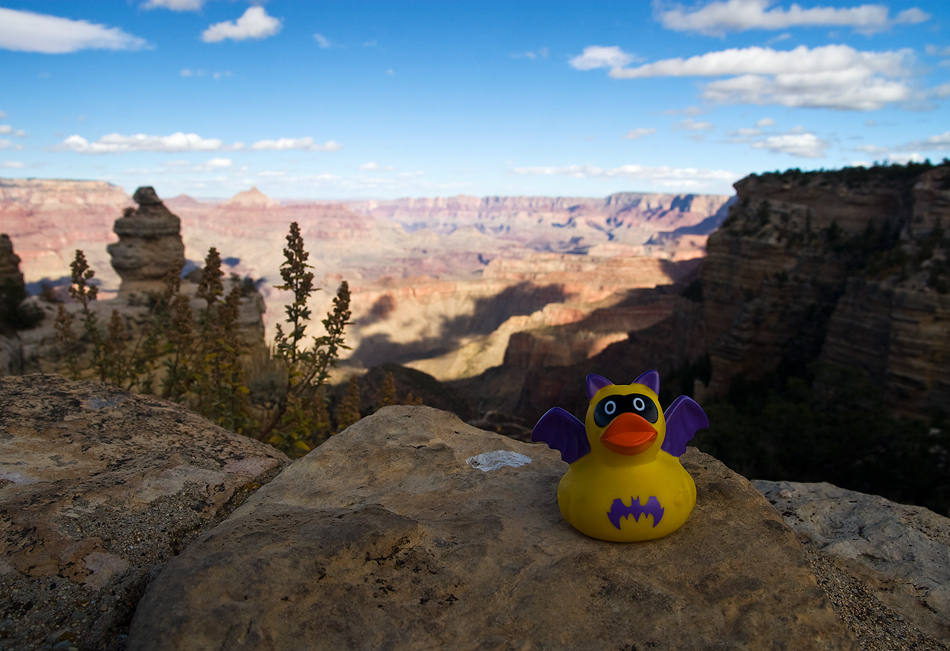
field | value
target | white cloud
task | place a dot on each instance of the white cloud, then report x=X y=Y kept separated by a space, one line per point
x=322 y=41
x=830 y=76
x=766 y=122
x=803 y=145
x=174 y=5
x=766 y=61
x=306 y=144
x=12 y=164
x=935 y=51
x=943 y=90
x=25 y=31
x=718 y=18
x=187 y=72
x=3 y=116
x=903 y=159
x=214 y=164
x=689 y=110
x=634 y=134
x=116 y=143
x=939 y=142
x=8 y=129
x=596 y=56
x=5 y=144
x=255 y=23
x=542 y=53
x=272 y=173
x=874 y=150
x=779 y=38
x=680 y=177
x=745 y=133
x=374 y=167
x=689 y=124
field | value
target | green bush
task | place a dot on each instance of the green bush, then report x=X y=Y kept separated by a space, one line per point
x=14 y=315
x=201 y=361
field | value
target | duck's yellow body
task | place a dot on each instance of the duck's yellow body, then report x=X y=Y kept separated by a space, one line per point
x=625 y=482
x=588 y=490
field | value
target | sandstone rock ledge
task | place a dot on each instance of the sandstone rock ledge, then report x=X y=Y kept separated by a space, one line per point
x=98 y=488
x=392 y=535
x=898 y=554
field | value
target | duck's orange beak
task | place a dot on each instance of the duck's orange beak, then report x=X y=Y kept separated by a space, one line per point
x=628 y=434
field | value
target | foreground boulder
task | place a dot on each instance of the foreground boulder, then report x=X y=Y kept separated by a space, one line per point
x=413 y=530
x=98 y=488
x=900 y=553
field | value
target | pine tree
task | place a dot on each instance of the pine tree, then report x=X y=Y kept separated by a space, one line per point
x=348 y=411
x=387 y=394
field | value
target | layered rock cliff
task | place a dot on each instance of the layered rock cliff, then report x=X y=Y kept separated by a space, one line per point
x=49 y=219
x=848 y=267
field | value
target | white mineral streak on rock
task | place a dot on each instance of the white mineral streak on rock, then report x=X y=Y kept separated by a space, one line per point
x=497 y=459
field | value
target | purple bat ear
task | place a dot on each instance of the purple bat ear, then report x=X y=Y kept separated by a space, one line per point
x=651 y=379
x=595 y=383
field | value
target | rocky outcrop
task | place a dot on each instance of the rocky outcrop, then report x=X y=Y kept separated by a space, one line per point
x=899 y=552
x=9 y=264
x=252 y=198
x=11 y=286
x=412 y=530
x=848 y=267
x=149 y=245
x=99 y=488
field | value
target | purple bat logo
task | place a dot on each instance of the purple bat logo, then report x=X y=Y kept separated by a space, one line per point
x=620 y=510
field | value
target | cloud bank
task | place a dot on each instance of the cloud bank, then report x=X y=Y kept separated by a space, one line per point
x=25 y=31
x=830 y=76
x=719 y=18
x=678 y=177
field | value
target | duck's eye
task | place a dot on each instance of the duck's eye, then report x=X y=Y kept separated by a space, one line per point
x=643 y=406
x=611 y=407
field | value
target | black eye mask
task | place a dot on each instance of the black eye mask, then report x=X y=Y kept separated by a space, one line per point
x=634 y=403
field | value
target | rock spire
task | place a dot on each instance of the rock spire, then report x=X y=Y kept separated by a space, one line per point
x=149 y=244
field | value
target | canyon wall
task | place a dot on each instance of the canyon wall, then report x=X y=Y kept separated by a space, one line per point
x=49 y=219
x=848 y=267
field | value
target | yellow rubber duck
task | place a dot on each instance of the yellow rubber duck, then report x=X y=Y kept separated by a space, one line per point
x=625 y=482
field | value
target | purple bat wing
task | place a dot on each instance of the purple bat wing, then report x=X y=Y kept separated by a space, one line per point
x=562 y=432
x=683 y=418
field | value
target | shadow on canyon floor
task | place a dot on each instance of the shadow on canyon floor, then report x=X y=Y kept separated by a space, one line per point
x=488 y=314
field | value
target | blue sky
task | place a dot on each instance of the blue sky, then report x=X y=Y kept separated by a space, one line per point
x=385 y=99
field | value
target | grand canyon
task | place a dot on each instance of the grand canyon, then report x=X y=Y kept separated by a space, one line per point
x=438 y=284
x=808 y=314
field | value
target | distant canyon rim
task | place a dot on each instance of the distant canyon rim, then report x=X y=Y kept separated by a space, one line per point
x=439 y=284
